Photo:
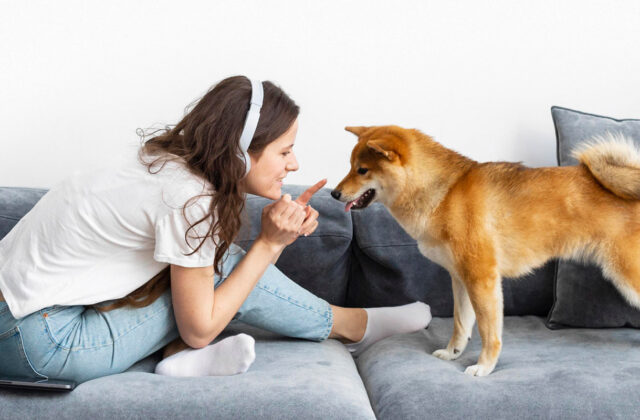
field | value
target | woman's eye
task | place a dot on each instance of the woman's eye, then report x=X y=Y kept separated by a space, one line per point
x=285 y=153
x=362 y=171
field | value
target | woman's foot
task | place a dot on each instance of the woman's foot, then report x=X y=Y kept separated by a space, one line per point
x=230 y=356
x=386 y=321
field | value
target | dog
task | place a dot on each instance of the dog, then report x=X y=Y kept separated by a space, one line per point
x=485 y=221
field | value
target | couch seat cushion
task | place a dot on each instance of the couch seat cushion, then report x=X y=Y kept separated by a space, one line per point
x=570 y=373
x=290 y=379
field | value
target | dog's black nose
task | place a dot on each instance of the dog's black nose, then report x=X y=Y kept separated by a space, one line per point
x=335 y=194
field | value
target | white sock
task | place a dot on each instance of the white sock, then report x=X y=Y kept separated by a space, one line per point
x=390 y=320
x=230 y=356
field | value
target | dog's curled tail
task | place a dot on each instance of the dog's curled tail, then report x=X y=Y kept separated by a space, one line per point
x=614 y=161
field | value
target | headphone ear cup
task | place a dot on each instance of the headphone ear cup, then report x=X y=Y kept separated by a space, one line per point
x=247 y=163
x=251 y=121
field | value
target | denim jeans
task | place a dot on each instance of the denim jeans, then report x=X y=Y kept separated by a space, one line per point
x=80 y=343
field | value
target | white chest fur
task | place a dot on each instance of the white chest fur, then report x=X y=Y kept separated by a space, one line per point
x=439 y=254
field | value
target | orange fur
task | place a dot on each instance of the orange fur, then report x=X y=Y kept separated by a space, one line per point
x=485 y=221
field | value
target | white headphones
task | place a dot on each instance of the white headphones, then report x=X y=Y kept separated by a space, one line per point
x=251 y=122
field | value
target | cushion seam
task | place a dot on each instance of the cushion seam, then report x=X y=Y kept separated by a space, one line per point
x=594 y=115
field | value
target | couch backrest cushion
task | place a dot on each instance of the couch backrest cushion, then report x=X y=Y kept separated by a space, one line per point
x=320 y=262
x=388 y=269
x=15 y=202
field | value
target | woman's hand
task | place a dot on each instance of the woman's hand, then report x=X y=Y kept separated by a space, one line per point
x=281 y=222
x=310 y=223
x=284 y=220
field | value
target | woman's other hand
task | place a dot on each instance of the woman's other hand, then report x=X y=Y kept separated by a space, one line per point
x=281 y=222
x=310 y=222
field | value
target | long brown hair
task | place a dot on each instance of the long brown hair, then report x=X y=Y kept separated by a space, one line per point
x=207 y=141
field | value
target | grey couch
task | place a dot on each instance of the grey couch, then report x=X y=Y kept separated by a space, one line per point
x=364 y=258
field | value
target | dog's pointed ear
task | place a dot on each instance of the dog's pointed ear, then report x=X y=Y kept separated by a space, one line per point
x=383 y=146
x=356 y=130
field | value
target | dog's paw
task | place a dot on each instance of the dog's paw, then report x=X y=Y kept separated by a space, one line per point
x=478 y=370
x=445 y=354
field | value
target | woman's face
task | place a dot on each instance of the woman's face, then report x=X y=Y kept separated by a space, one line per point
x=271 y=166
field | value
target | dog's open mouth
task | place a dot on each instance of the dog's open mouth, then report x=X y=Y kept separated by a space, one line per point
x=361 y=202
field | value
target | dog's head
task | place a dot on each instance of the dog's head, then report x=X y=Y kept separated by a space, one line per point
x=378 y=166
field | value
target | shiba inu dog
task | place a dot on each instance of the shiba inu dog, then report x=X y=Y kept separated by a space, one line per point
x=483 y=221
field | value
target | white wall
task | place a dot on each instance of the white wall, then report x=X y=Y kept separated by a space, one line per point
x=78 y=77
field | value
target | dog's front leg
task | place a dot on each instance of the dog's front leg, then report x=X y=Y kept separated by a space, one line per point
x=485 y=293
x=463 y=320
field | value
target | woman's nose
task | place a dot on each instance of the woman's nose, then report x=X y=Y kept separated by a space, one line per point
x=293 y=164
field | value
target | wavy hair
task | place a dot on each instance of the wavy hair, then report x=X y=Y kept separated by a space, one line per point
x=206 y=140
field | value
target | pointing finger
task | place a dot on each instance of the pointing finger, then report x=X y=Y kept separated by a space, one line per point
x=306 y=196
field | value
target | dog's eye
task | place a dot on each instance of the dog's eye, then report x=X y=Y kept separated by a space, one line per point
x=362 y=171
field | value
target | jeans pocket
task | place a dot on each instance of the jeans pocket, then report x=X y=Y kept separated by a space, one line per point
x=14 y=361
x=62 y=323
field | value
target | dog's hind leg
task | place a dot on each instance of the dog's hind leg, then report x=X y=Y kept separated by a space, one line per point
x=463 y=320
x=485 y=293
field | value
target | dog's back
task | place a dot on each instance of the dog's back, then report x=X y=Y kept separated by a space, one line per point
x=530 y=215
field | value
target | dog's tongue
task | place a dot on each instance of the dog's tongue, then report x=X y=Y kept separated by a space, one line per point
x=348 y=206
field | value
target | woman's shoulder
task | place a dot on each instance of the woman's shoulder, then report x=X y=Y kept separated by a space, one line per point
x=177 y=182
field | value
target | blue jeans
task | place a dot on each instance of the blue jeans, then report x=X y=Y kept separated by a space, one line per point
x=80 y=343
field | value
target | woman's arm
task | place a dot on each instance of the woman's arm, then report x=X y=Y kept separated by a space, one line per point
x=200 y=317
x=274 y=260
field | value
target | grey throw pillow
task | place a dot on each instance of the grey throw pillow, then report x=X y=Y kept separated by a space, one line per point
x=583 y=297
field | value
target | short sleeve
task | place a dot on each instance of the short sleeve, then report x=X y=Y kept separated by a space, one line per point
x=171 y=246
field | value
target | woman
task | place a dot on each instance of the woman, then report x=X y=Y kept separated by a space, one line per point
x=77 y=302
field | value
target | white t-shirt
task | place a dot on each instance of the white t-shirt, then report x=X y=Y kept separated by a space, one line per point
x=99 y=235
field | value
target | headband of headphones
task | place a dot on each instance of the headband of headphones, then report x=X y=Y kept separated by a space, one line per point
x=251 y=122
